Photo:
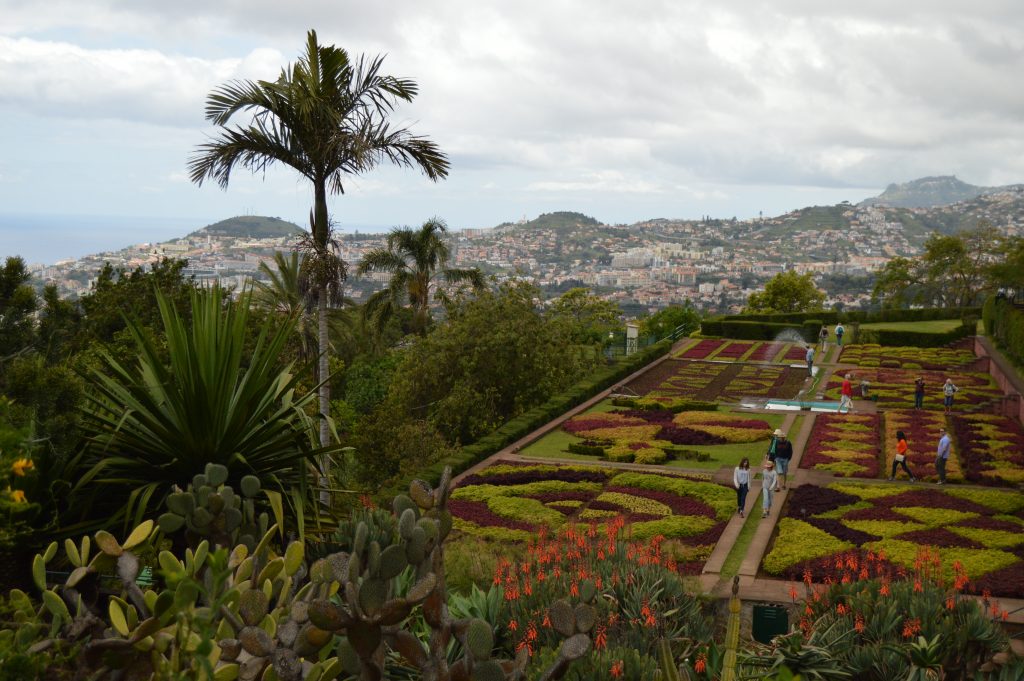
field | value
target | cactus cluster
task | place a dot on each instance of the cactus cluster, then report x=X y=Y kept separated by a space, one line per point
x=211 y=509
x=254 y=614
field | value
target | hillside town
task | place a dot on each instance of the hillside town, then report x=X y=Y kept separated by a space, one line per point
x=712 y=263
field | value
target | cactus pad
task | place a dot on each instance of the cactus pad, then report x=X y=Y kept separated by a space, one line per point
x=479 y=639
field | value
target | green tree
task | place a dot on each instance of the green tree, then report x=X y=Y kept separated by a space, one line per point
x=957 y=266
x=590 y=316
x=415 y=259
x=664 y=322
x=18 y=305
x=898 y=283
x=787 y=292
x=151 y=424
x=326 y=117
x=497 y=356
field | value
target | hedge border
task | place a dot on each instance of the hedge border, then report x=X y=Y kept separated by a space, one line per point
x=1004 y=323
x=863 y=316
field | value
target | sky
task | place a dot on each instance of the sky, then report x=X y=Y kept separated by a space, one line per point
x=622 y=111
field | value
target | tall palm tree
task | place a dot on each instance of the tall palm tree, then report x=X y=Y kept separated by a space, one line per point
x=414 y=259
x=326 y=117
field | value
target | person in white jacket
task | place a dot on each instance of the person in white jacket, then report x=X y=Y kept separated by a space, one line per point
x=741 y=481
x=768 y=481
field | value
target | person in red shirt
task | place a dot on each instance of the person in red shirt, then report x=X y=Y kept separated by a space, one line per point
x=846 y=393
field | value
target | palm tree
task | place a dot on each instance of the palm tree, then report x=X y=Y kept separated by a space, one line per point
x=326 y=117
x=287 y=293
x=414 y=259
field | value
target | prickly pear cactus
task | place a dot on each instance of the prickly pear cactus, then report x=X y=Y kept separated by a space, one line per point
x=211 y=509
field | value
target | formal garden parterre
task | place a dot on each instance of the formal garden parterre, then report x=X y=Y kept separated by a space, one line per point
x=991 y=448
x=518 y=502
x=980 y=530
x=894 y=388
x=845 y=445
x=922 y=430
x=724 y=382
x=725 y=350
x=872 y=355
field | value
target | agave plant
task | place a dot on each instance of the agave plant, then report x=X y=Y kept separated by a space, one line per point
x=152 y=425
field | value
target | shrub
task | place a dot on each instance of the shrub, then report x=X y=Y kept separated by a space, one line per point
x=797 y=542
x=585 y=450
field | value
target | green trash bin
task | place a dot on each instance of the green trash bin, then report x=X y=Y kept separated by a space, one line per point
x=769 y=622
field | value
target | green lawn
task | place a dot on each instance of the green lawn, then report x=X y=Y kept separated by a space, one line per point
x=739 y=550
x=554 y=444
x=933 y=326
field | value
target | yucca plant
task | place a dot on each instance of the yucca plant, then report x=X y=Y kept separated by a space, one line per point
x=157 y=423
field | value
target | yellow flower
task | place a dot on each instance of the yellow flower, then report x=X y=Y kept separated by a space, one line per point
x=21 y=465
x=18 y=496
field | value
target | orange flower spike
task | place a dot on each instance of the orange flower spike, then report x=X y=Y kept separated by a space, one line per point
x=701 y=664
x=864 y=573
x=546 y=622
x=840 y=609
x=1005 y=615
x=918 y=588
x=513 y=625
x=600 y=638
x=950 y=603
x=618 y=668
x=807 y=576
x=885 y=589
x=858 y=623
x=574 y=590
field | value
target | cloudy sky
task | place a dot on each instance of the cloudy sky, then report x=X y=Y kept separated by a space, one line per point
x=623 y=111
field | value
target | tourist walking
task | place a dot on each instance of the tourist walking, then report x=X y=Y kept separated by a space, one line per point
x=768 y=482
x=783 y=453
x=948 y=390
x=810 y=360
x=741 y=481
x=901 y=456
x=942 y=455
x=839 y=334
x=823 y=338
x=846 y=395
x=919 y=392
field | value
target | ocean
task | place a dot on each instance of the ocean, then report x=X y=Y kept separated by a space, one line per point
x=45 y=239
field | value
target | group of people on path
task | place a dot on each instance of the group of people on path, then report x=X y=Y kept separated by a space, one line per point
x=775 y=469
x=780 y=452
x=823 y=342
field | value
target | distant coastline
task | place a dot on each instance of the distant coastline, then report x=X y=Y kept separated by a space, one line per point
x=48 y=238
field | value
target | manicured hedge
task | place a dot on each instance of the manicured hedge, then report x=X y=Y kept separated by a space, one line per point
x=529 y=421
x=921 y=339
x=749 y=330
x=831 y=317
x=1005 y=324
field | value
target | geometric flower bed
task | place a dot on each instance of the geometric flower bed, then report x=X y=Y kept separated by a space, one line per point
x=870 y=355
x=717 y=381
x=725 y=350
x=844 y=444
x=515 y=502
x=651 y=436
x=895 y=387
x=922 y=431
x=991 y=448
x=982 y=530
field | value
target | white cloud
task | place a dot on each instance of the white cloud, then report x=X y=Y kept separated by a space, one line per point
x=651 y=100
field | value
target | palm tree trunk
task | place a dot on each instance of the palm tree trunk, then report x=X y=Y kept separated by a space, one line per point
x=321 y=228
x=325 y=395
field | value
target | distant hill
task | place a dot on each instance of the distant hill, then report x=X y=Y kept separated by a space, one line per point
x=927 y=192
x=559 y=221
x=250 y=226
